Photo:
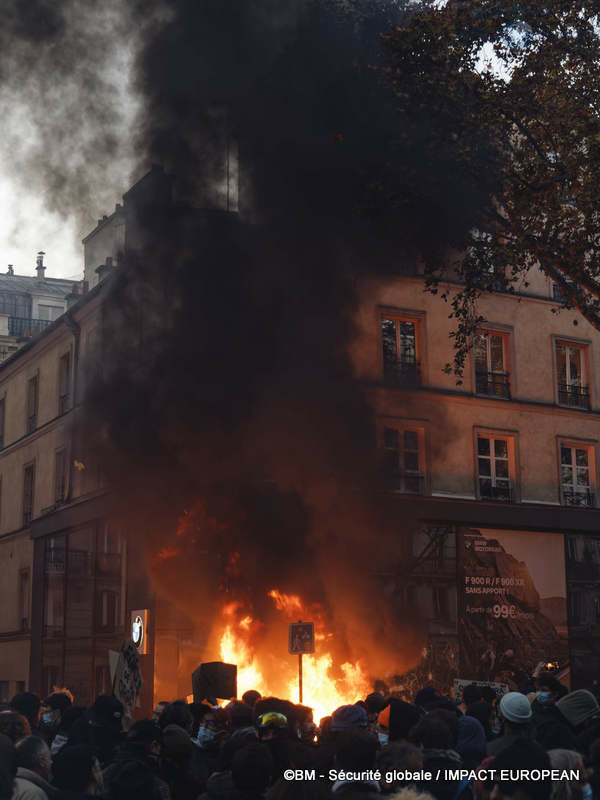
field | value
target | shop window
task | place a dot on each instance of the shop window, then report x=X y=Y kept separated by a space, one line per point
x=495 y=467
x=28 y=493
x=400 y=346
x=404 y=459
x=32 y=404
x=490 y=351
x=577 y=474
x=571 y=373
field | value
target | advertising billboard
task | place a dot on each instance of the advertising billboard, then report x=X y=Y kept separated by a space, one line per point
x=512 y=604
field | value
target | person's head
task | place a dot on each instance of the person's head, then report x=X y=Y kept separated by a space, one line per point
x=158 y=709
x=69 y=718
x=515 y=710
x=240 y=715
x=134 y=781
x=107 y=712
x=524 y=756
x=549 y=688
x=27 y=704
x=177 y=746
x=427 y=696
x=34 y=754
x=565 y=761
x=76 y=768
x=54 y=706
x=471 y=744
x=272 y=725
x=481 y=711
x=347 y=718
x=449 y=719
x=8 y=767
x=471 y=694
x=251 y=697
x=237 y=740
x=252 y=768
x=489 y=695
x=146 y=737
x=579 y=708
x=432 y=733
x=398 y=718
x=375 y=703
x=14 y=725
x=355 y=750
x=177 y=713
x=397 y=759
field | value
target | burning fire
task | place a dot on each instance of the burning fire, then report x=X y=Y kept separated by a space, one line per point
x=324 y=687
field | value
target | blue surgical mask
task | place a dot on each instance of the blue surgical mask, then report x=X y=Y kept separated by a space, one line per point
x=384 y=738
x=587 y=792
x=543 y=697
x=204 y=736
x=47 y=719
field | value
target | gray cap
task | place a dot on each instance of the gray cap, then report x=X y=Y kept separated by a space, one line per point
x=515 y=708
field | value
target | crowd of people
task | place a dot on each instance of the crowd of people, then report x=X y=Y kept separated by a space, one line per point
x=256 y=748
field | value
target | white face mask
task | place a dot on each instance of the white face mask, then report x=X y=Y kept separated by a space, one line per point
x=384 y=738
x=204 y=736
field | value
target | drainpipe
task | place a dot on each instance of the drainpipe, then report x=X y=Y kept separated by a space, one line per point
x=76 y=331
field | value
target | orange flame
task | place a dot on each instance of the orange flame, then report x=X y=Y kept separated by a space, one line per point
x=325 y=686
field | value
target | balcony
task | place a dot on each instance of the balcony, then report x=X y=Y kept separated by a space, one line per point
x=502 y=493
x=582 y=497
x=573 y=395
x=24 y=327
x=402 y=373
x=493 y=384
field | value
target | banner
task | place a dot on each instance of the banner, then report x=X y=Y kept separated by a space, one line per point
x=512 y=604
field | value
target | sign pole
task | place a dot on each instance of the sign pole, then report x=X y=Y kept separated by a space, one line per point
x=300 y=678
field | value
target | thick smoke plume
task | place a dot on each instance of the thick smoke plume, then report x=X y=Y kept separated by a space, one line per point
x=229 y=409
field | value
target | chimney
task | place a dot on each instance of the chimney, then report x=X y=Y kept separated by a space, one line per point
x=39 y=265
x=85 y=287
x=10 y=270
x=73 y=296
x=104 y=269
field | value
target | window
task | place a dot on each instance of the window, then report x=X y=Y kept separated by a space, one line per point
x=64 y=383
x=403 y=459
x=60 y=476
x=490 y=355
x=49 y=313
x=2 y=408
x=576 y=475
x=494 y=457
x=399 y=338
x=24 y=595
x=32 y=403
x=571 y=374
x=28 y=491
x=54 y=588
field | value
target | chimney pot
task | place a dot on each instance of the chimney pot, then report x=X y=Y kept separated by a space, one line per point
x=75 y=289
x=39 y=265
x=86 y=287
x=10 y=270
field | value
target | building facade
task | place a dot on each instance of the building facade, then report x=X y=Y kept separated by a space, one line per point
x=507 y=454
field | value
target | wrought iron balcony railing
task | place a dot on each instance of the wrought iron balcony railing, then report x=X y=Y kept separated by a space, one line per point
x=402 y=373
x=494 y=384
x=23 y=326
x=580 y=496
x=574 y=395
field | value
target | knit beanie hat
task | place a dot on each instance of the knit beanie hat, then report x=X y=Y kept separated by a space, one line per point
x=577 y=706
x=176 y=742
x=515 y=708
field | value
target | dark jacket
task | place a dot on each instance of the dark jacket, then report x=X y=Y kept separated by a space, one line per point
x=105 y=741
x=437 y=761
x=550 y=728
